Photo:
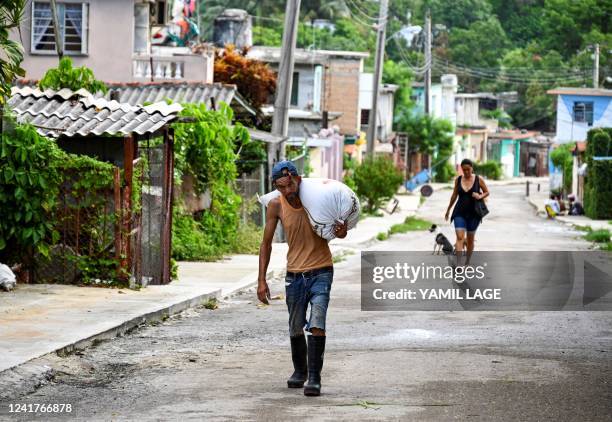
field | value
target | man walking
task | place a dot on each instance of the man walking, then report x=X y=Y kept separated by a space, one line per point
x=309 y=277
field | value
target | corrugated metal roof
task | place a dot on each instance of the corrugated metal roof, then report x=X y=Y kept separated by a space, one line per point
x=140 y=93
x=68 y=113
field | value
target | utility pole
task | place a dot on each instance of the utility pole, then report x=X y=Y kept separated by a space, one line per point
x=280 y=120
x=380 y=54
x=59 y=45
x=428 y=62
x=596 y=67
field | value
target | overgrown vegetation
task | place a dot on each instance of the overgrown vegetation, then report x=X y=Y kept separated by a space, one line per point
x=43 y=188
x=598 y=185
x=73 y=78
x=491 y=170
x=206 y=149
x=11 y=52
x=377 y=179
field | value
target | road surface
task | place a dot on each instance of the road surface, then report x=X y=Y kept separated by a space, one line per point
x=232 y=362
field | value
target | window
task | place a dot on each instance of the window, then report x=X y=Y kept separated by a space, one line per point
x=72 y=20
x=141 y=28
x=487 y=104
x=583 y=112
x=365 y=117
x=295 y=88
x=159 y=12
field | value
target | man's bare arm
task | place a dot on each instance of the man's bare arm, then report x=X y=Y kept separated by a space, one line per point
x=265 y=249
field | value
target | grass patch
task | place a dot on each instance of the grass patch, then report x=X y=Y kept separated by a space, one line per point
x=598 y=236
x=583 y=228
x=410 y=224
x=382 y=236
x=341 y=256
x=422 y=200
x=606 y=246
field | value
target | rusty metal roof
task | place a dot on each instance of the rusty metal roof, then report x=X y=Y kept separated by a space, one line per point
x=68 y=113
x=140 y=93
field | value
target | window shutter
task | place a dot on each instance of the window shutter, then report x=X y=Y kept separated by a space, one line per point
x=141 y=28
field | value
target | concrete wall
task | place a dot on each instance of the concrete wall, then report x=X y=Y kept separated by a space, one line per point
x=110 y=42
x=386 y=104
x=568 y=130
x=468 y=114
x=110 y=45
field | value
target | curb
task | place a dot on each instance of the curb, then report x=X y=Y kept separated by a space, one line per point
x=154 y=316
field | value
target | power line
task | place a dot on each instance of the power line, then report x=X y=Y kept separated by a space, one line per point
x=504 y=78
x=366 y=14
x=500 y=73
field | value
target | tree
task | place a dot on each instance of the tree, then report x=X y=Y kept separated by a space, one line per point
x=521 y=19
x=479 y=46
x=400 y=75
x=458 y=13
x=11 y=52
x=431 y=136
x=566 y=23
x=73 y=78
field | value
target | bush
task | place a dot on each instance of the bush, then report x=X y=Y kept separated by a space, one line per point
x=189 y=240
x=490 y=170
x=598 y=188
x=444 y=173
x=73 y=78
x=349 y=166
x=377 y=180
x=248 y=238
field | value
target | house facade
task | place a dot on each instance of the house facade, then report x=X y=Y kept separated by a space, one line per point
x=114 y=38
x=386 y=104
x=519 y=152
x=322 y=81
x=580 y=110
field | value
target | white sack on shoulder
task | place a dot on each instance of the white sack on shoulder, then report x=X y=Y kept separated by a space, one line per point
x=326 y=201
x=7 y=278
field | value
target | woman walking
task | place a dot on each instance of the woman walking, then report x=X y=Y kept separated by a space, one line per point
x=469 y=188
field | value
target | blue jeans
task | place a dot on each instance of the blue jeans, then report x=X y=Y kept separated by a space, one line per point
x=302 y=289
x=469 y=224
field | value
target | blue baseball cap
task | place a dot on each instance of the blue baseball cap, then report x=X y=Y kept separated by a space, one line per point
x=279 y=168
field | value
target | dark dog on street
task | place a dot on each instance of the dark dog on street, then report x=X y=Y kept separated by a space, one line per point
x=441 y=244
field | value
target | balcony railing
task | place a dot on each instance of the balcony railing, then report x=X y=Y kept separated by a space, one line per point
x=158 y=68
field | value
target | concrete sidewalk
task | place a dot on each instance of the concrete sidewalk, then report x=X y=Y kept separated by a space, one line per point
x=538 y=200
x=38 y=319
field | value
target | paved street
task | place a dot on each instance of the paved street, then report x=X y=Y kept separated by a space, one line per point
x=232 y=363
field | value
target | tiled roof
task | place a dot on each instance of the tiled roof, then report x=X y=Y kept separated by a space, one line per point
x=139 y=93
x=68 y=113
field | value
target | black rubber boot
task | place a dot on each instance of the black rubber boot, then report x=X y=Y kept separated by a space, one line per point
x=316 y=349
x=298 y=355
